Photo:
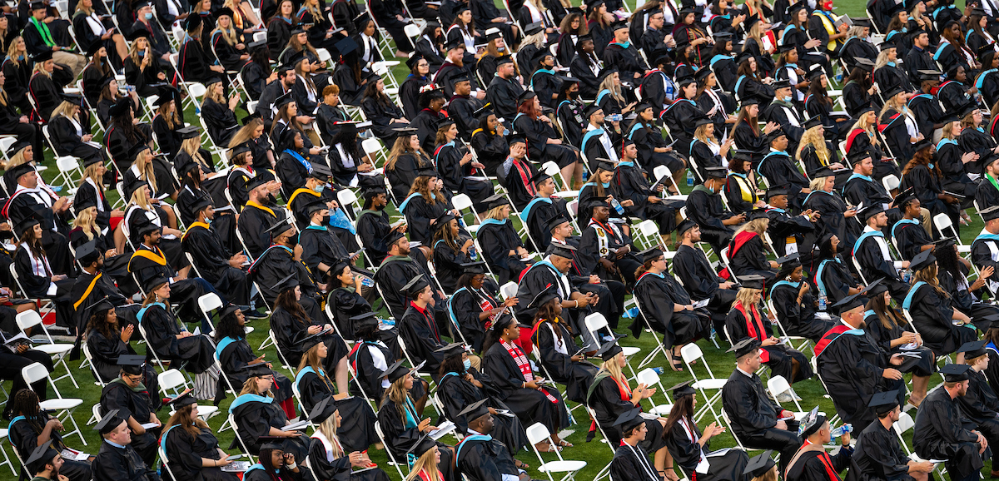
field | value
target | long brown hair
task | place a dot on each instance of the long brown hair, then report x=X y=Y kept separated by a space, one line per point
x=422 y=185
x=923 y=157
x=889 y=317
x=286 y=301
x=683 y=409
x=187 y=421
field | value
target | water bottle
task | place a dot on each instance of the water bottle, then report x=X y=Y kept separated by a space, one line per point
x=632 y=313
x=841 y=430
x=822 y=300
x=690 y=178
x=618 y=206
x=658 y=370
x=366 y=281
x=907 y=274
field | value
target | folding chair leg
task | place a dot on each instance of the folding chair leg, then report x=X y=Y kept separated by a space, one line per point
x=76 y=428
x=69 y=373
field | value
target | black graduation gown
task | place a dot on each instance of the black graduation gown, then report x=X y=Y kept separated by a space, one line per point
x=687 y=454
x=464 y=308
x=779 y=170
x=381 y=115
x=456 y=177
x=67 y=142
x=185 y=452
x=753 y=417
x=419 y=330
x=656 y=295
x=484 y=458
x=502 y=95
x=601 y=241
x=531 y=406
x=45 y=93
x=609 y=401
x=16 y=83
x=289 y=331
x=113 y=463
x=939 y=433
x=234 y=356
x=778 y=357
x=537 y=215
x=516 y=181
x=576 y=376
x=786 y=230
x=137 y=404
x=878 y=456
x=399 y=436
x=819 y=465
x=882 y=337
x=538 y=133
x=338 y=469
x=392 y=275
x=910 y=237
x=254 y=416
x=850 y=365
x=979 y=405
x=874 y=265
x=632 y=463
x=750 y=258
x=211 y=258
x=320 y=245
x=357 y=430
x=753 y=140
x=373 y=226
x=220 y=120
x=498 y=239
x=705 y=208
x=104 y=355
x=403 y=174
x=927 y=186
x=462 y=109
x=831 y=207
x=24 y=436
x=419 y=213
x=798 y=319
x=194 y=353
x=457 y=393
x=700 y=280
x=253 y=225
x=931 y=315
x=194 y=62
x=274 y=265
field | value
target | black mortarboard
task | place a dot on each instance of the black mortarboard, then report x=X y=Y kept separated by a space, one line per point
x=322 y=410
x=346 y=46
x=904 y=197
x=973 y=349
x=650 y=254
x=777 y=191
x=990 y=213
x=743 y=56
x=685 y=225
x=525 y=96
x=101 y=305
x=476 y=410
x=442 y=221
x=26 y=224
x=811 y=423
x=556 y=221
x=454 y=43
x=452 y=349
x=122 y=107
x=493 y=34
x=921 y=145
x=193 y=22
x=310 y=341
x=425 y=444
x=759 y=465
x=609 y=350
x=750 y=22
x=955 y=373
x=288 y=282
x=415 y=285
x=753 y=281
x=618 y=25
x=629 y=419
x=496 y=201
x=504 y=59
x=533 y=28
x=411 y=63
x=131 y=364
x=882 y=402
x=591 y=110
x=715 y=172
x=151 y=283
x=138 y=34
x=814 y=72
x=563 y=251
x=922 y=260
x=791 y=260
x=871 y=210
x=812 y=122
x=848 y=303
x=786 y=47
x=539 y=178
x=87 y=250
x=745 y=347
x=109 y=422
x=42 y=56
x=781 y=84
x=41 y=456
x=752 y=100
x=865 y=64
x=134 y=186
x=364 y=321
x=929 y=75
x=548 y=294
x=682 y=389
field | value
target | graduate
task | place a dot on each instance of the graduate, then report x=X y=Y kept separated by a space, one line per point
x=812 y=462
x=939 y=431
x=275 y=263
x=405 y=162
x=472 y=309
x=833 y=210
x=314 y=386
x=597 y=142
x=887 y=328
x=134 y=404
x=692 y=268
x=560 y=356
x=480 y=457
x=611 y=396
x=321 y=248
x=871 y=253
x=794 y=303
x=503 y=249
x=745 y=321
x=552 y=270
x=666 y=307
x=168 y=338
x=931 y=311
x=688 y=446
x=348 y=306
x=328 y=458
x=631 y=461
x=635 y=194
x=452 y=250
x=516 y=385
x=236 y=356
x=908 y=234
x=748 y=254
x=45 y=463
x=543 y=140
x=754 y=417
x=979 y=402
x=401 y=423
x=370 y=357
x=398 y=268
x=276 y=463
x=462 y=384
x=214 y=262
x=517 y=172
x=877 y=453
x=373 y=225
x=605 y=249
x=704 y=206
x=985 y=245
x=258 y=419
x=117 y=460
x=190 y=445
x=543 y=207
x=424 y=203
x=108 y=340
x=779 y=171
x=788 y=232
x=256 y=218
x=291 y=324
x=418 y=326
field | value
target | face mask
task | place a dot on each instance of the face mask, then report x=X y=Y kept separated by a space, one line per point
x=149 y=16
x=467 y=364
x=319 y=188
x=787 y=98
x=325 y=220
x=500 y=49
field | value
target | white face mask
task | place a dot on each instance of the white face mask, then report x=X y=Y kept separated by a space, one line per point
x=467 y=364
x=787 y=98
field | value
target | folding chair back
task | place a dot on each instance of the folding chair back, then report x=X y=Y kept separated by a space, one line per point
x=691 y=353
x=651 y=379
x=207 y=303
x=244 y=448
x=166 y=463
x=539 y=433
x=90 y=358
x=777 y=385
x=62 y=407
x=392 y=459
x=347 y=197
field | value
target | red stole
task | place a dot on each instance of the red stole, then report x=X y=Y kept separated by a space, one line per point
x=831 y=335
x=755 y=327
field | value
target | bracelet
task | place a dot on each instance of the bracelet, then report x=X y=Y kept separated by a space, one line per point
x=577 y=303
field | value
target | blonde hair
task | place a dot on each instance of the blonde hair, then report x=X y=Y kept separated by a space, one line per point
x=211 y=94
x=17 y=159
x=329 y=430
x=813 y=137
x=856 y=31
x=891 y=104
x=929 y=275
x=614 y=371
x=398 y=393
x=497 y=213
x=90 y=172
x=228 y=34
x=246 y=132
x=250 y=387
x=85 y=221
x=191 y=147
x=701 y=133
x=882 y=60
x=144 y=162
x=63 y=109
x=40 y=69
x=948 y=131
x=428 y=463
x=133 y=50
x=140 y=199
x=402 y=146
x=756 y=225
x=745 y=297
x=863 y=124
x=12 y=50
x=616 y=90
x=770 y=475
x=173 y=120
x=817 y=183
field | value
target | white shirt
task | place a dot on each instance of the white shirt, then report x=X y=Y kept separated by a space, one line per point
x=882 y=246
x=40 y=267
x=606 y=143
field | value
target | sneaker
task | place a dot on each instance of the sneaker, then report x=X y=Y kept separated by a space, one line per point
x=254 y=315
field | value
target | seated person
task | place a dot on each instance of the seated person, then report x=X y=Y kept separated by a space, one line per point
x=134 y=405
x=794 y=304
x=193 y=451
x=939 y=431
x=168 y=338
x=812 y=462
x=877 y=453
x=31 y=427
x=258 y=419
x=481 y=457
x=117 y=460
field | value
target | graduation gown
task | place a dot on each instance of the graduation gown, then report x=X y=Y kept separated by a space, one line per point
x=813 y=463
x=753 y=140
x=979 y=404
x=798 y=319
x=788 y=232
x=457 y=393
x=404 y=172
x=481 y=457
x=705 y=208
x=419 y=330
x=135 y=403
x=656 y=295
x=211 y=258
x=831 y=207
x=45 y=93
x=289 y=331
x=778 y=169
x=220 y=120
x=608 y=399
x=276 y=263
x=490 y=148
x=516 y=180
x=747 y=256
x=457 y=177
x=543 y=406
x=632 y=463
x=104 y=355
x=357 y=430
x=113 y=463
x=373 y=226
x=778 y=357
x=66 y=138
x=194 y=353
x=700 y=280
x=339 y=469
x=753 y=416
x=556 y=346
x=24 y=436
x=464 y=308
x=392 y=275
x=850 y=365
x=400 y=433
x=932 y=316
x=682 y=443
x=537 y=214
x=601 y=240
x=253 y=224
x=910 y=237
x=498 y=239
x=419 y=214
x=878 y=456
x=320 y=245
x=462 y=109
x=939 y=433
x=876 y=263
x=185 y=452
x=254 y=416
x=234 y=356
x=409 y=94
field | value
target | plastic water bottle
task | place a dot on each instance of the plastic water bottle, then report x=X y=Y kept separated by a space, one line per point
x=366 y=281
x=822 y=300
x=841 y=430
x=690 y=178
x=907 y=274
x=617 y=205
x=632 y=313
x=658 y=370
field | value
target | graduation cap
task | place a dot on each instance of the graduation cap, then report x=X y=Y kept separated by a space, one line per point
x=495 y=201
x=475 y=411
x=100 y=305
x=539 y=178
x=684 y=226
x=650 y=254
x=13 y=150
x=452 y=350
x=848 y=303
x=591 y=110
x=139 y=33
x=759 y=465
x=41 y=456
x=193 y=22
x=811 y=423
x=605 y=165
x=630 y=419
x=861 y=22
x=42 y=56
x=682 y=389
x=475 y=267
x=525 y=96
x=548 y=294
x=883 y=402
x=320 y=172
x=131 y=364
x=150 y=284
x=973 y=349
x=224 y=11
x=904 y=197
x=865 y=64
x=556 y=221
x=427 y=172
x=786 y=48
x=814 y=72
x=395 y=371
x=990 y=213
x=790 y=261
x=776 y=134
x=618 y=25
x=242 y=148
x=533 y=28
x=183 y=400
x=955 y=373
x=774 y=192
x=122 y=107
x=745 y=347
x=361 y=22
x=442 y=221
x=743 y=57
x=17 y=171
x=415 y=286
x=563 y=251
x=109 y=422
x=781 y=84
x=424 y=445
x=455 y=43
x=753 y=281
x=411 y=63
x=886 y=45
x=287 y=283
x=279 y=228
x=364 y=321
x=685 y=80
x=228 y=310
x=715 y=172
x=346 y=46
x=609 y=350
x=258 y=370
x=504 y=59
x=893 y=92
x=922 y=260
x=310 y=341
x=392 y=237
x=751 y=100
x=26 y=224
x=929 y=75
x=750 y=22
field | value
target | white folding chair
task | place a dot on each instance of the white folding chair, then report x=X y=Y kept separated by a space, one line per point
x=596 y=322
x=6 y=460
x=172 y=383
x=62 y=407
x=392 y=459
x=240 y=443
x=650 y=378
x=166 y=463
x=539 y=433
x=777 y=385
x=348 y=199
x=58 y=351
x=606 y=440
x=90 y=359
x=690 y=353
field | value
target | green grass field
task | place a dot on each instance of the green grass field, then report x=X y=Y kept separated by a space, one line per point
x=595 y=453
